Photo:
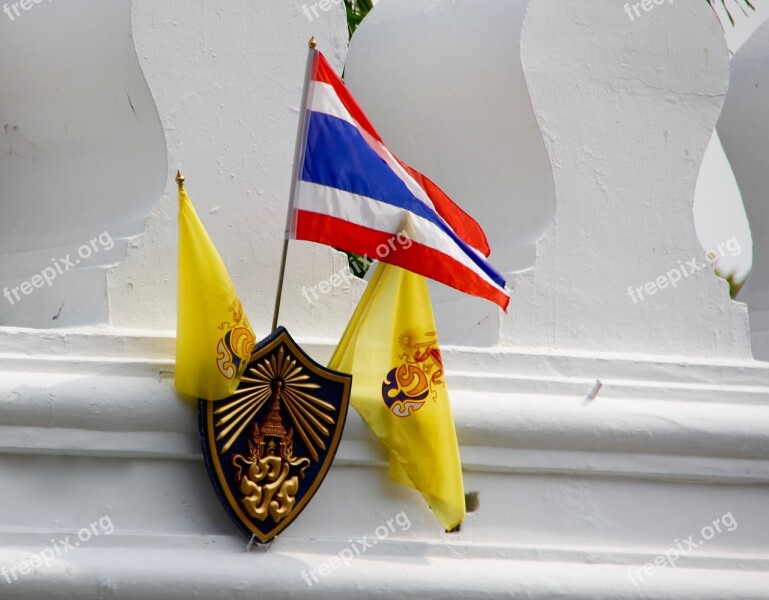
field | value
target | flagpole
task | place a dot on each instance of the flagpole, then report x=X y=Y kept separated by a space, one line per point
x=298 y=153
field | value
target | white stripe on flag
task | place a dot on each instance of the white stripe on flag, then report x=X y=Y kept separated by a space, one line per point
x=383 y=217
x=324 y=100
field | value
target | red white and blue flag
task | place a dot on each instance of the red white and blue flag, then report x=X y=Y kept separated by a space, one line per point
x=353 y=194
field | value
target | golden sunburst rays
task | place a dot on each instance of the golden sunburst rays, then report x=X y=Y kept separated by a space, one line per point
x=308 y=412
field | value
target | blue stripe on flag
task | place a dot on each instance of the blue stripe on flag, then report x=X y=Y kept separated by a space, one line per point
x=338 y=156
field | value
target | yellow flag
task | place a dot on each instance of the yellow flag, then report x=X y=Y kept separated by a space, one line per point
x=391 y=349
x=213 y=336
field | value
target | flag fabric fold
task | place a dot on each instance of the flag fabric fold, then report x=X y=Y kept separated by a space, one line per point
x=352 y=193
x=391 y=349
x=213 y=337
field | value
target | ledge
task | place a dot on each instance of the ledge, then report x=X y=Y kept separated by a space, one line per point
x=104 y=393
x=386 y=571
x=573 y=491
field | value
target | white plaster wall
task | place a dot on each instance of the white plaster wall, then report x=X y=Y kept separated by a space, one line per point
x=626 y=118
x=626 y=110
x=81 y=153
x=574 y=490
x=572 y=494
x=443 y=84
x=227 y=80
x=744 y=127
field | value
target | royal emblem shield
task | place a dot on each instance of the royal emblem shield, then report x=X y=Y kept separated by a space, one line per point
x=269 y=446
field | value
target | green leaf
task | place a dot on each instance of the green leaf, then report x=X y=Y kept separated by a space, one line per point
x=356 y=12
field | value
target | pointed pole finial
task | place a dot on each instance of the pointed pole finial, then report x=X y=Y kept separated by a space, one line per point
x=312 y=43
x=179 y=179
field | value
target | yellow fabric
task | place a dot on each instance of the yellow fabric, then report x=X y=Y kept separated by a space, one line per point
x=391 y=349
x=213 y=336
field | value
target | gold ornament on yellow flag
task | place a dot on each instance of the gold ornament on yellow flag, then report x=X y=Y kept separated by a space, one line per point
x=213 y=337
x=391 y=349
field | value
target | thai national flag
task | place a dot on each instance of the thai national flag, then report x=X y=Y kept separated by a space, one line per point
x=352 y=193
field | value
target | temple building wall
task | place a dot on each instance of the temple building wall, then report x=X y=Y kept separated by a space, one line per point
x=615 y=411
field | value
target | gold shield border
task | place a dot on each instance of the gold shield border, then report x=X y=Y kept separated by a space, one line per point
x=283 y=337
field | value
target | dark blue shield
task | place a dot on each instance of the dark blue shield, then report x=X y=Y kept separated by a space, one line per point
x=269 y=446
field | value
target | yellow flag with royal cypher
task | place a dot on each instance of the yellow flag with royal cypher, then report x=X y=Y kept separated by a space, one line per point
x=391 y=349
x=213 y=337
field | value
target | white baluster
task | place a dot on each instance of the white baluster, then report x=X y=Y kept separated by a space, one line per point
x=627 y=105
x=744 y=131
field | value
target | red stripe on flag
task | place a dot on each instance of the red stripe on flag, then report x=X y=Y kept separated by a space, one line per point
x=463 y=224
x=420 y=259
x=325 y=74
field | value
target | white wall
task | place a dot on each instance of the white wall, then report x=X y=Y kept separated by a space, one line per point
x=447 y=93
x=626 y=112
x=579 y=485
x=743 y=127
x=229 y=117
x=82 y=152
